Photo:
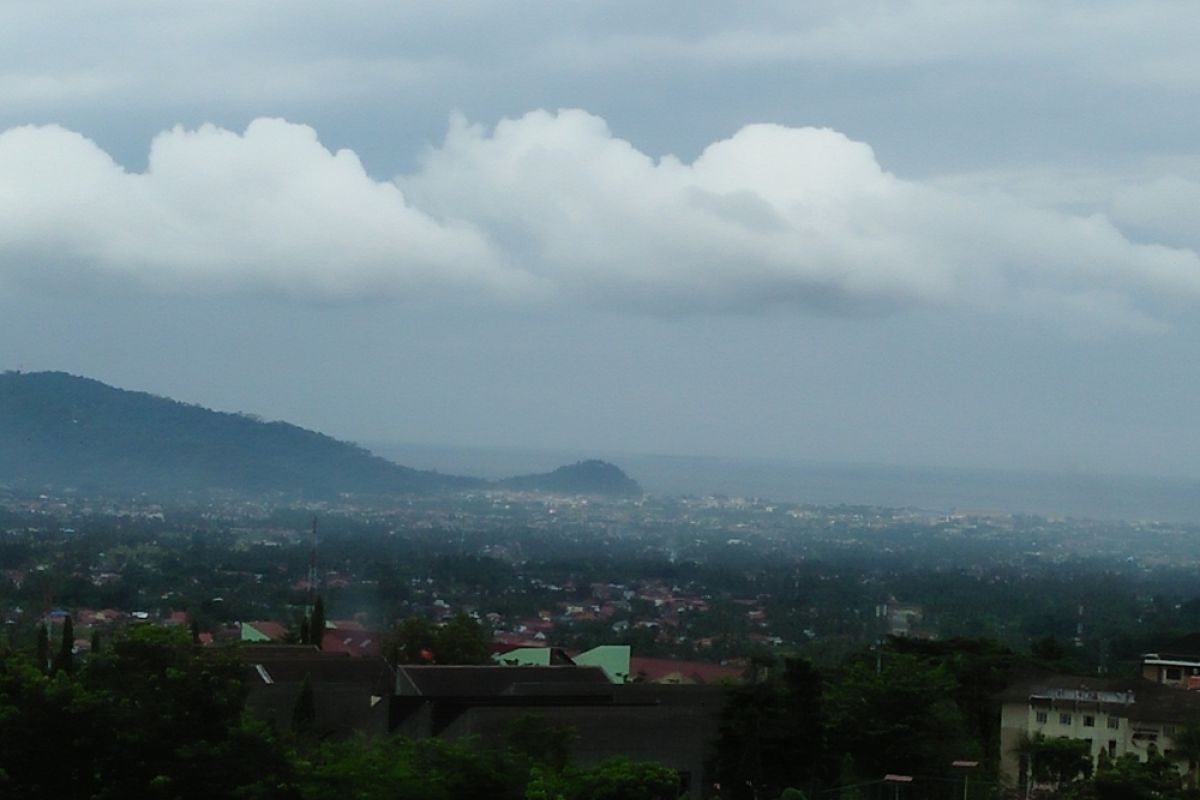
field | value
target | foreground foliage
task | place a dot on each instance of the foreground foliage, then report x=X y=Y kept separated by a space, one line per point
x=151 y=716
x=145 y=718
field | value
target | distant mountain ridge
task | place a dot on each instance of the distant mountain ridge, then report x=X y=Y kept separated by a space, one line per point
x=67 y=431
x=64 y=430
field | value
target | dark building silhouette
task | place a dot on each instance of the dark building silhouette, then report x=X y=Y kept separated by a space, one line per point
x=672 y=725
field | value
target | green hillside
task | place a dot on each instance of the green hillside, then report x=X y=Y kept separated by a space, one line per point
x=66 y=431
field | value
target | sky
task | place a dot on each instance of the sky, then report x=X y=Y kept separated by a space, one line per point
x=948 y=234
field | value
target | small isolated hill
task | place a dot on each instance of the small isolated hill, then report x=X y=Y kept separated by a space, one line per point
x=593 y=477
x=70 y=432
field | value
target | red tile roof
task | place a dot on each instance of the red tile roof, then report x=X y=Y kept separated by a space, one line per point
x=355 y=643
x=656 y=670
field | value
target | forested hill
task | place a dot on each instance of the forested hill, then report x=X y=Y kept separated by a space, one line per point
x=583 y=477
x=65 y=431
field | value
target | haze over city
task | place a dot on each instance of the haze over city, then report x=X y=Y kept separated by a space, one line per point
x=951 y=235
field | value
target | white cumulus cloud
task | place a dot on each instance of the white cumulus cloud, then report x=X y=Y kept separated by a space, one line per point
x=214 y=210
x=555 y=205
x=775 y=215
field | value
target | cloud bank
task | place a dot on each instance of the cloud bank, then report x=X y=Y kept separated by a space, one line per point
x=553 y=206
x=217 y=211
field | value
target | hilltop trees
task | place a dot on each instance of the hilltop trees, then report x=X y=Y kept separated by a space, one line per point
x=316 y=623
x=1059 y=760
x=900 y=717
x=123 y=441
x=65 y=660
x=149 y=717
x=1187 y=747
x=909 y=707
x=771 y=734
x=304 y=712
x=42 y=651
x=461 y=640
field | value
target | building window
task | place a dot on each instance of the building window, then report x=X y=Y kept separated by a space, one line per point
x=1064 y=718
x=1089 y=721
x=1174 y=674
x=1168 y=730
x=1112 y=748
x=1041 y=716
x=1114 y=723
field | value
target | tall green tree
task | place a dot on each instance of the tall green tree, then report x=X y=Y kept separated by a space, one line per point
x=65 y=660
x=316 y=623
x=304 y=712
x=901 y=718
x=1058 y=760
x=42 y=653
x=149 y=717
x=770 y=734
x=1186 y=745
x=175 y=720
x=462 y=640
x=414 y=641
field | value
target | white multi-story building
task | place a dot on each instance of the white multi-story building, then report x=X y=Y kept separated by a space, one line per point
x=1117 y=716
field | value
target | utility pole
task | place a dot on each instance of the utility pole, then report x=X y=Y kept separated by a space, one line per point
x=966 y=767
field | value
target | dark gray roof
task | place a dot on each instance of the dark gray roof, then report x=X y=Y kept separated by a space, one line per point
x=291 y=664
x=249 y=652
x=489 y=681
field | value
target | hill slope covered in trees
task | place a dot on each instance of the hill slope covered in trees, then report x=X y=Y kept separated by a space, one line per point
x=67 y=431
x=64 y=431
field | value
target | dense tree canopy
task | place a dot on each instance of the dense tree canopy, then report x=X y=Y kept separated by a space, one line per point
x=461 y=640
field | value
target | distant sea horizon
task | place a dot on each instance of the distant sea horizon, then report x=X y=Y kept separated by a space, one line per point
x=935 y=489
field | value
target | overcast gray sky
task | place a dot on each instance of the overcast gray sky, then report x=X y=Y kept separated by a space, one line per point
x=915 y=232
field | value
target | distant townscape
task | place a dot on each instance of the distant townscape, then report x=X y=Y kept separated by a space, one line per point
x=362 y=627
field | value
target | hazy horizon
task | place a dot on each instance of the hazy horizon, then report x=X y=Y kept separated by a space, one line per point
x=924 y=487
